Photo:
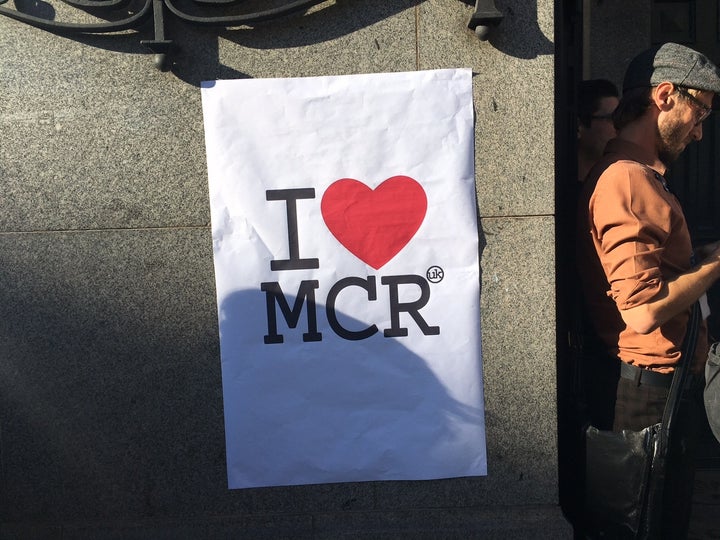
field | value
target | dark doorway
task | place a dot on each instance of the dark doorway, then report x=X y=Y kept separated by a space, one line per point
x=695 y=179
x=568 y=72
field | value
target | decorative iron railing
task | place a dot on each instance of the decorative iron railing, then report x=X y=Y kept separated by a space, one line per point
x=113 y=16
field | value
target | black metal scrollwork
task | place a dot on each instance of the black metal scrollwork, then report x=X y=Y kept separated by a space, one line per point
x=116 y=16
x=155 y=9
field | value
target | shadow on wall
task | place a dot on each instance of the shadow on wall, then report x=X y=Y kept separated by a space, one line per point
x=110 y=391
x=195 y=50
x=111 y=403
x=519 y=34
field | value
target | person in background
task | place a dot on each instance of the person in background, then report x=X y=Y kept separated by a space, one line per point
x=639 y=273
x=597 y=379
x=597 y=100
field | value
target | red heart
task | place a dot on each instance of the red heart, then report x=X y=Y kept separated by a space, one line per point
x=374 y=225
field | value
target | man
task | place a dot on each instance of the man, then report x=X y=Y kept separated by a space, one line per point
x=635 y=256
x=597 y=100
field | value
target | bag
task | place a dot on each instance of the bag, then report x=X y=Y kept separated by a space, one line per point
x=617 y=467
x=711 y=394
x=625 y=471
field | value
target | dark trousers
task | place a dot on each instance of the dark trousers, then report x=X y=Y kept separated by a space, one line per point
x=637 y=407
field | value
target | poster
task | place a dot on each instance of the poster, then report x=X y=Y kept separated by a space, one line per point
x=345 y=246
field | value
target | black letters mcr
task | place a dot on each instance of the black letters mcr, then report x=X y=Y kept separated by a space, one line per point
x=274 y=295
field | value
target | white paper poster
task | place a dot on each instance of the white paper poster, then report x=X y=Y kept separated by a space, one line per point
x=346 y=259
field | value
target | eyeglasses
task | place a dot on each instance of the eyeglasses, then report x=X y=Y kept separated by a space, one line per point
x=695 y=101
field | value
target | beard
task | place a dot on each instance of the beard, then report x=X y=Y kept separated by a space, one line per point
x=672 y=140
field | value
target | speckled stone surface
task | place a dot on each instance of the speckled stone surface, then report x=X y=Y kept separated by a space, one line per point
x=518 y=257
x=111 y=420
x=514 y=152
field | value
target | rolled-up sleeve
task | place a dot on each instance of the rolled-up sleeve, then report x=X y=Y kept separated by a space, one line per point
x=630 y=222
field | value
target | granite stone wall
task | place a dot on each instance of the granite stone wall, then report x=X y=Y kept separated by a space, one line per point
x=111 y=413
